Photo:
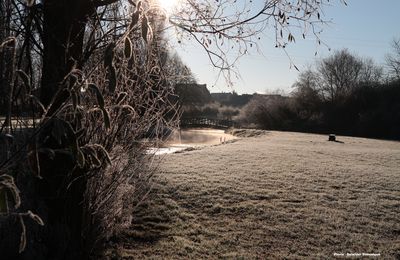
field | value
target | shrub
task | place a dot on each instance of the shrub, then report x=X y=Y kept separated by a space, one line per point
x=82 y=164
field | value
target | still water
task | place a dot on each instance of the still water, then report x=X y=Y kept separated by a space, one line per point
x=186 y=138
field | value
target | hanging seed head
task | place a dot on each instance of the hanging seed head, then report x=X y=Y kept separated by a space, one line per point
x=99 y=96
x=22 y=241
x=112 y=79
x=128 y=48
x=35 y=218
x=145 y=28
x=109 y=54
x=106 y=118
x=9 y=42
x=80 y=158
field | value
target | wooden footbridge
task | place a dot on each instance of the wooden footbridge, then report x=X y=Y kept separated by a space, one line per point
x=206 y=123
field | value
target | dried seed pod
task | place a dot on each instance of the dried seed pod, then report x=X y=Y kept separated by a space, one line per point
x=7 y=184
x=35 y=218
x=150 y=34
x=128 y=48
x=112 y=79
x=9 y=42
x=109 y=55
x=99 y=96
x=106 y=118
x=145 y=28
x=22 y=243
x=80 y=158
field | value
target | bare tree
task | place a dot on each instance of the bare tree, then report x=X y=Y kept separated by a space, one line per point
x=339 y=74
x=307 y=87
x=393 y=59
x=229 y=29
x=178 y=72
x=371 y=73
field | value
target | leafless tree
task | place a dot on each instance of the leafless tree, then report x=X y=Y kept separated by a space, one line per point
x=393 y=59
x=339 y=74
x=307 y=88
x=229 y=29
x=178 y=72
x=371 y=73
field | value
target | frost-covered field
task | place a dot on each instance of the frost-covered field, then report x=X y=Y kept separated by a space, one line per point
x=278 y=195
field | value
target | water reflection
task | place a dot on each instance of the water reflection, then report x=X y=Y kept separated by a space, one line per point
x=199 y=137
x=185 y=138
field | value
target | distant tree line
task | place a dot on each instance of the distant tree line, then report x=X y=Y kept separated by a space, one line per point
x=196 y=101
x=342 y=94
x=232 y=99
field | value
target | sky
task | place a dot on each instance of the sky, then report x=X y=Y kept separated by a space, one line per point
x=364 y=27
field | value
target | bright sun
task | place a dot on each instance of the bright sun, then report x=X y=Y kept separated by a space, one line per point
x=168 y=5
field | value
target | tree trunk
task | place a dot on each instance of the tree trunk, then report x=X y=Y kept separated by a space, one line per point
x=64 y=25
x=6 y=67
x=63 y=30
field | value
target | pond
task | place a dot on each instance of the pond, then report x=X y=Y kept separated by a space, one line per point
x=192 y=137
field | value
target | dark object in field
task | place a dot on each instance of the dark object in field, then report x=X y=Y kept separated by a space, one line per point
x=332 y=137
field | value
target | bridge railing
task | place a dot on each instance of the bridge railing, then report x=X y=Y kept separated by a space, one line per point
x=207 y=122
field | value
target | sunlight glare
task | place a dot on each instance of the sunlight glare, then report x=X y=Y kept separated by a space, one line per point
x=168 y=5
